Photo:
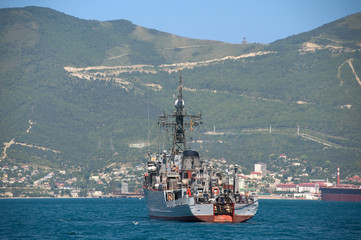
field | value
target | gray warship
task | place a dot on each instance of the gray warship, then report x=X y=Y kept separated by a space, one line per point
x=180 y=185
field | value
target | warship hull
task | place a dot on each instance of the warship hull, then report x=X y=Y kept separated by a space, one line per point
x=186 y=209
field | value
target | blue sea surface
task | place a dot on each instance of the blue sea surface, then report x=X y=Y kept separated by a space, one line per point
x=128 y=219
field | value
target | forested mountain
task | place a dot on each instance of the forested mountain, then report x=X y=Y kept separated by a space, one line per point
x=75 y=93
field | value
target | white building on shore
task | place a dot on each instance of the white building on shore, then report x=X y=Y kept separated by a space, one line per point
x=260 y=167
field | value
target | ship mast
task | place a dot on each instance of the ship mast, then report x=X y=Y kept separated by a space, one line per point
x=179 y=141
x=182 y=121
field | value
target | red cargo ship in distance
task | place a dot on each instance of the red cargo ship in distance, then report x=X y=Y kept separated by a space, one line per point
x=341 y=192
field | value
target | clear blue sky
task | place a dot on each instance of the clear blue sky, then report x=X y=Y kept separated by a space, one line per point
x=261 y=21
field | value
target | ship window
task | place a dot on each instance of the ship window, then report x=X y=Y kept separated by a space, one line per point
x=177 y=194
x=169 y=196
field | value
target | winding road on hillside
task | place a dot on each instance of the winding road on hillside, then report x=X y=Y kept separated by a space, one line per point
x=13 y=142
x=318 y=137
x=349 y=61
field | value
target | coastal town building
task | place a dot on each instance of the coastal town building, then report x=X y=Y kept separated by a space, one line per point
x=286 y=187
x=124 y=187
x=241 y=182
x=260 y=167
x=308 y=187
x=256 y=175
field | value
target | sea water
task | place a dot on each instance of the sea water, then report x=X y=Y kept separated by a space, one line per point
x=128 y=219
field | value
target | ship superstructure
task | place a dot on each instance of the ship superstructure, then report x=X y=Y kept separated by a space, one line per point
x=180 y=185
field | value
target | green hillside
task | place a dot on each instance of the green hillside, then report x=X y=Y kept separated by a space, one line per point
x=74 y=93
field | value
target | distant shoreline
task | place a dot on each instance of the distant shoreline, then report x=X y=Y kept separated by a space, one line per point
x=273 y=197
x=270 y=197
